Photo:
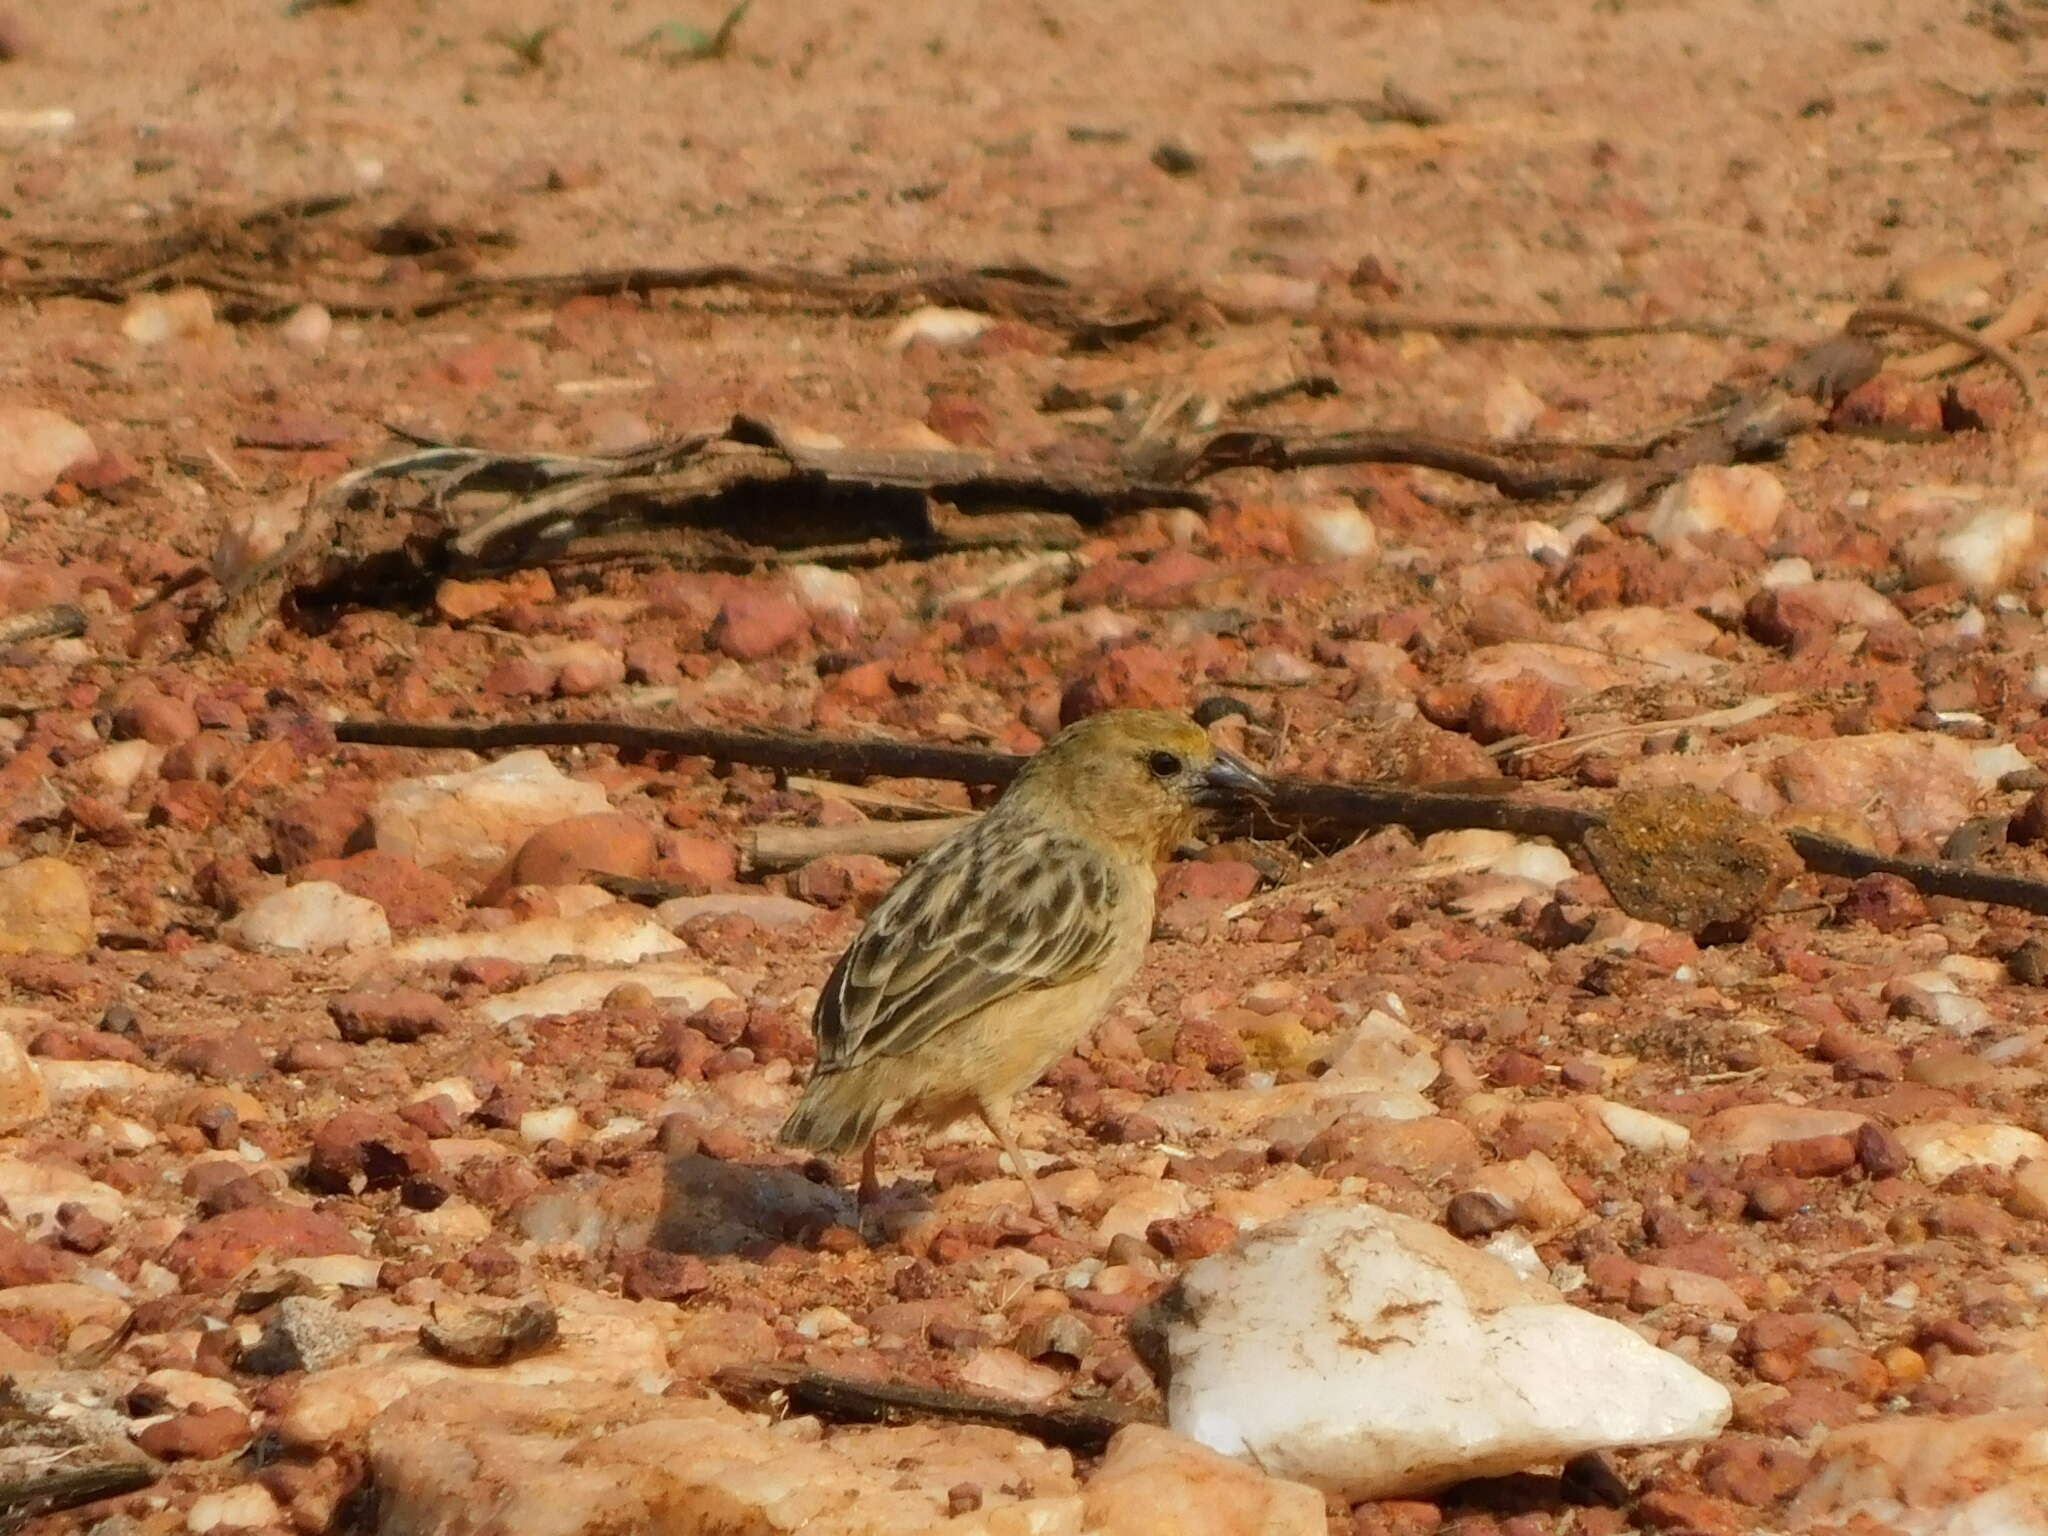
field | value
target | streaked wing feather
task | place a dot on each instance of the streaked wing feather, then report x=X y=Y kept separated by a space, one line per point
x=984 y=916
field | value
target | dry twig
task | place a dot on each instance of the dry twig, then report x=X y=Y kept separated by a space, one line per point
x=849 y=1399
x=1321 y=811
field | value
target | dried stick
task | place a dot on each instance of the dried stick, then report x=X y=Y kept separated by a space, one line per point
x=1873 y=317
x=848 y=1399
x=59 y=619
x=2020 y=318
x=68 y=1487
x=1320 y=809
x=1519 y=481
x=773 y=848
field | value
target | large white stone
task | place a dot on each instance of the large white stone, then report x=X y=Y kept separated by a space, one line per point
x=479 y=817
x=1986 y=1475
x=579 y=991
x=1373 y=1355
x=610 y=936
x=483 y=1457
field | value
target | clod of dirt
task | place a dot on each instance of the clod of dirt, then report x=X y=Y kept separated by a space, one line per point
x=1689 y=860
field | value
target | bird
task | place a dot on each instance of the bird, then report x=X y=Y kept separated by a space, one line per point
x=1000 y=948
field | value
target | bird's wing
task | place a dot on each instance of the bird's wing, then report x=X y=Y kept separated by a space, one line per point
x=989 y=913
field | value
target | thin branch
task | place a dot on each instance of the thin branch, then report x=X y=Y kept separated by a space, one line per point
x=772 y=848
x=56 y=621
x=848 y=1399
x=1874 y=317
x=1320 y=810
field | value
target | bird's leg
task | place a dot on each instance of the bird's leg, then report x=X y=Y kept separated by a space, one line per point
x=870 y=1181
x=869 y=1193
x=997 y=1119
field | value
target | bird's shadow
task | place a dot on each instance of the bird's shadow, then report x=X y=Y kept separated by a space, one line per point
x=713 y=1208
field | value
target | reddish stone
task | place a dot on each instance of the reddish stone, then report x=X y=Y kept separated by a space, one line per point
x=1815 y=1157
x=653 y=1274
x=520 y=677
x=403 y=1015
x=1187 y=1238
x=960 y=419
x=293 y=430
x=751 y=625
x=222 y=1246
x=1207 y=1046
x=367 y=1145
x=1886 y=902
x=411 y=897
x=26 y=1263
x=1892 y=406
x=604 y=842
x=858 y=880
x=204 y=1435
x=1523 y=706
x=1751 y=1471
x=1694 y=1514
x=1130 y=677
x=187 y=805
x=314 y=1056
x=693 y=860
x=321 y=826
x=225 y=1057
x=156 y=718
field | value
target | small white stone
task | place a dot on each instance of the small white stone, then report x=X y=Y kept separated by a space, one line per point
x=822 y=590
x=1541 y=541
x=1333 y=531
x=610 y=936
x=315 y=917
x=308 y=328
x=1792 y=571
x=1939 y=1149
x=151 y=319
x=1510 y=409
x=481 y=815
x=1641 y=1131
x=582 y=990
x=1740 y=499
x=242 y=1507
x=940 y=327
x=36 y=448
x=557 y=1123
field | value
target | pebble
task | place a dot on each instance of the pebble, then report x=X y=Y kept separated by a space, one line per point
x=477 y=817
x=1332 y=533
x=1257 y=1351
x=604 y=842
x=1742 y=499
x=938 y=327
x=24 y=1098
x=1753 y=1128
x=1152 y=1482
x=45 y=909
x=1941 y=1149
x=314 y=917
x=610 y=935
x=1641 y=1131
x=308 y=329
x=755 y=625
x=36 y=448
x=682 y=985
x=152 y=319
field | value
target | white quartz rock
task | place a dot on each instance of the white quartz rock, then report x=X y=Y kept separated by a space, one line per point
x=1374 y=1355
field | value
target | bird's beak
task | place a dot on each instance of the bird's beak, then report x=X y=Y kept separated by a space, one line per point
x=1229 y=781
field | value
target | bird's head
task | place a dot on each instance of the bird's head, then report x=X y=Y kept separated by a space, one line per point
x=1137 y=778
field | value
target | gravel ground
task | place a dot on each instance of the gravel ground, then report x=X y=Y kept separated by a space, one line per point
x=274 y=1093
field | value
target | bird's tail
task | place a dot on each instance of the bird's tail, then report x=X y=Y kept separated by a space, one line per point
x=838 y=1113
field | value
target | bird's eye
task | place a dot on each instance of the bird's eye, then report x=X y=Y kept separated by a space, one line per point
x=1164 y=765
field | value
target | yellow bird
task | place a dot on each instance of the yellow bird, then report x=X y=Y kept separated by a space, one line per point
x=1000 y=948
